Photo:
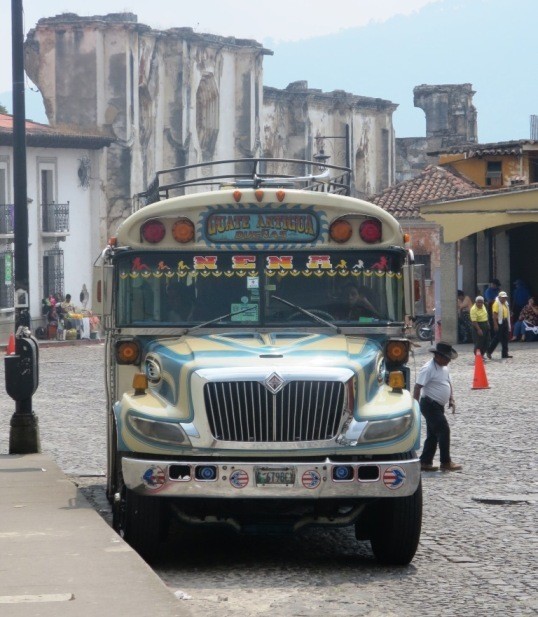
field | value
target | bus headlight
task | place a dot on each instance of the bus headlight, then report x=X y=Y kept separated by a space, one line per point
x=163 y=432
x=385 y=430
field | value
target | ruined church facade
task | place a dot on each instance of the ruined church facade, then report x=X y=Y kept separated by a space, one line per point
x=177 y=97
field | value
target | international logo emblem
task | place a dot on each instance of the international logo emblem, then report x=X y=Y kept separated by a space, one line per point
x=274 y=383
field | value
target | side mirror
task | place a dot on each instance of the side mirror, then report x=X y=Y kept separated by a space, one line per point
x=414 y=289
x=102 y=289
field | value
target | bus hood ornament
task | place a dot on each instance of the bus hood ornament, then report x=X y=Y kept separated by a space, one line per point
x=274 y=383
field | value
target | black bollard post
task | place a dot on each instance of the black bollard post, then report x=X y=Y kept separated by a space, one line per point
x=22 y=366
x=22 y=379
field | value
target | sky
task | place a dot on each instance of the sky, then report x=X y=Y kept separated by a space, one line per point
x=376 y=48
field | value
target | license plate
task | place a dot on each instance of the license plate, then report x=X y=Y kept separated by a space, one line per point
x=274 y=476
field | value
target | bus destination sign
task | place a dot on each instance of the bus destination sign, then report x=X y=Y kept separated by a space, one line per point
x=261 y=227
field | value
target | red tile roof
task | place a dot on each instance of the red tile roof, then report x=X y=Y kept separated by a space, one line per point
x=500 y=148
x=48 y=136
x=433 y=183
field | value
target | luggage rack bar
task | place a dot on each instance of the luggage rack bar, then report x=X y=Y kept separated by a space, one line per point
x=258 y=173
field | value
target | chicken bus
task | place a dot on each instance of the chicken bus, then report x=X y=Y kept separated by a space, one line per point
x=256 y=358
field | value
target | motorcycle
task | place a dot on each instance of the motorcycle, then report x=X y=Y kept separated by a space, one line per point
x=425 y=327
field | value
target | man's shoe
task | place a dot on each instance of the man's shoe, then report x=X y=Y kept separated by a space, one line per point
x=508 y=356
x=428 y=467
x=451 y=466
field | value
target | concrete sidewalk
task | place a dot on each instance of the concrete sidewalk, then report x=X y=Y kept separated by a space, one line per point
x=59 y=557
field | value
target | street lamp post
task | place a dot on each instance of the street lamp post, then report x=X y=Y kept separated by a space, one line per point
x=321 y=157
x=22 y=366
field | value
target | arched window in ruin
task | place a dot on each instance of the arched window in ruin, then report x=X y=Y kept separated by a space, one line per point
x=207 y=115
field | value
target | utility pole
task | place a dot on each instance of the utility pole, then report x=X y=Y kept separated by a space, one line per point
x=22 y=366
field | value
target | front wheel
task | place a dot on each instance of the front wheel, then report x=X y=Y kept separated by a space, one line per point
x=142 y=521
x=395 y=528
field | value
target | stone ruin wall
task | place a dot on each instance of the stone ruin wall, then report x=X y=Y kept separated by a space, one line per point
x=176 y=97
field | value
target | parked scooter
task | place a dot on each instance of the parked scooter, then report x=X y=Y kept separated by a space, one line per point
x=425 y=327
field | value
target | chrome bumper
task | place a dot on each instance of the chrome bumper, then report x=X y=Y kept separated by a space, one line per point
x=251 y=479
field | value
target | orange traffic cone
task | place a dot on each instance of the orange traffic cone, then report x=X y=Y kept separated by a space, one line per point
x=480 y=380
x=10 y=349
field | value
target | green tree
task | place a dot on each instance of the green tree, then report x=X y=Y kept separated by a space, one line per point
x=3 y=109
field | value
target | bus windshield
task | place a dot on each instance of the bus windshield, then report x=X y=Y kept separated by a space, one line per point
x=346 y=288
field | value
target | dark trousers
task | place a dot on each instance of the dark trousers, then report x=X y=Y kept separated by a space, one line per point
x=481 y=342
x=437 y=431
x=501 y=336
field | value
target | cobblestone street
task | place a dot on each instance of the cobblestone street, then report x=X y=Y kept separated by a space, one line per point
x=479 y=546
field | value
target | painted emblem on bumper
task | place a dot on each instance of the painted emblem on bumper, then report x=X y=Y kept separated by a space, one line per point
x=394 y=477
x=154 y=477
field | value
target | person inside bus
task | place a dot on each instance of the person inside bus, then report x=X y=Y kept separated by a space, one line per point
x=179 y=298
x=141 y=300
x=357 y=304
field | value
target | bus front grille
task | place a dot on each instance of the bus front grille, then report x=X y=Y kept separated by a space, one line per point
x=246 y=411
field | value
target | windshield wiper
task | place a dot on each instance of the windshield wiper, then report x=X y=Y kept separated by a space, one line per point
x=216 y=319
x=306 y=312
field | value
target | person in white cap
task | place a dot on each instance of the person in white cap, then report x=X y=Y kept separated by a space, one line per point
x=500 y=312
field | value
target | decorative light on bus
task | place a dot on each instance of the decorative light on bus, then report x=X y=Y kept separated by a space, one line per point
x=153 y=231
x=183 y=231
x=397 y=351
x=127 y=352
x=340 y=231
x=370 y=231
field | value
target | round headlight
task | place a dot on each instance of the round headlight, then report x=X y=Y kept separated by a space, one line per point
x=153 y=370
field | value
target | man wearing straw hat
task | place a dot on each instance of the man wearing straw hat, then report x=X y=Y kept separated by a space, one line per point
x=433 y=390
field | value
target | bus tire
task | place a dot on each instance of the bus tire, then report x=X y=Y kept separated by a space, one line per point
x=142 y=523
x=113 y=463
x=395 y=528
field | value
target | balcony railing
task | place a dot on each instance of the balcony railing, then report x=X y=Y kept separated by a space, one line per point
x=55 y=218
x=6 y=218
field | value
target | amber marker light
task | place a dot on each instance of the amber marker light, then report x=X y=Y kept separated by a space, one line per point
x=183 y=231
x=397 y=351
x=370 y=231
x=280 y=195
x=127 y=352
x=140 y=383
x=237 y=196
x=340 y=231
x=113 y=241
x=258 y=194
x=153 y=231
x=396 y=380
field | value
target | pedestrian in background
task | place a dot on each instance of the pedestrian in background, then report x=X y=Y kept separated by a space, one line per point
x=492 y=291
x=500 y=312
x=490 y=294
x=480 y=325
x=433 y=390
x=520 y=297
x=526 y=327
x=464 y=321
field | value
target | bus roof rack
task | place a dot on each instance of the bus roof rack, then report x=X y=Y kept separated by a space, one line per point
x=247 y=173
